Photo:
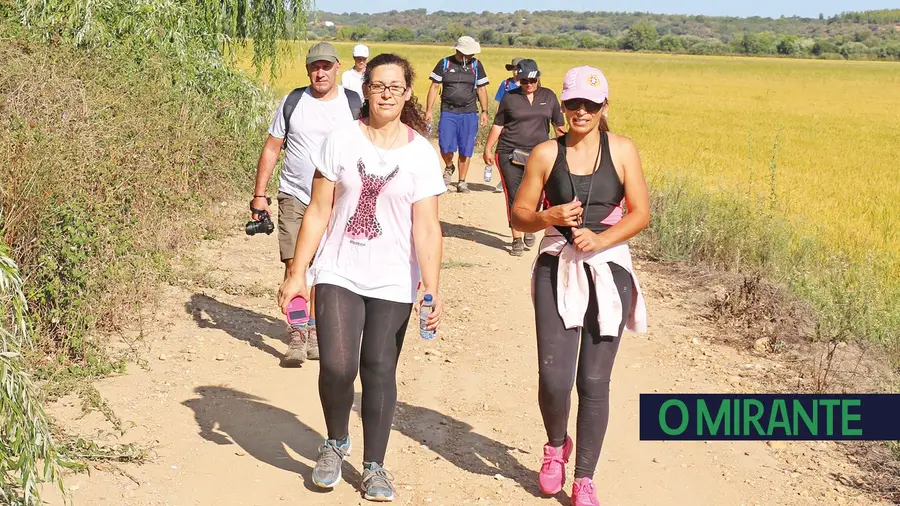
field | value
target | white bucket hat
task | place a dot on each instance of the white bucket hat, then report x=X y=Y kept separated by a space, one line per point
x=361 y=51
x=467 y=45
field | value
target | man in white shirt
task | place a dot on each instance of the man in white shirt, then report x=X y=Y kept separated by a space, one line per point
x=317 y=110
x=353 y=78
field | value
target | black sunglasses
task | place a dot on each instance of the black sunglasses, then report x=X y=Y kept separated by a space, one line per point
x=528 y=81
x=575 y=103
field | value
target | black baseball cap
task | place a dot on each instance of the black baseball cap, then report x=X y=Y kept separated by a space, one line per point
x=527 y=69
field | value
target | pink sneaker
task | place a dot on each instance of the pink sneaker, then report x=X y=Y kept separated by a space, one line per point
x=583 y=493
x=553 y=470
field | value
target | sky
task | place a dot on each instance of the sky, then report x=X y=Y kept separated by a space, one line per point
x=741 y=8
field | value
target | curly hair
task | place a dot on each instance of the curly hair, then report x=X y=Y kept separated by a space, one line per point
x=412 y=114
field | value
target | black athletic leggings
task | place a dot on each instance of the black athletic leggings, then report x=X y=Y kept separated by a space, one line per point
x=342 y=319
x=511 y=176
x=558 y=351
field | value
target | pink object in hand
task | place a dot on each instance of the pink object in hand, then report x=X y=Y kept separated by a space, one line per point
x=297 y=313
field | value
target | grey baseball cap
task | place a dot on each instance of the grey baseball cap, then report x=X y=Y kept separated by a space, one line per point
x=323 y=51
x=514 y=64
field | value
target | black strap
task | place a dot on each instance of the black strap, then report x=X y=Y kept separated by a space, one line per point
x=353 y=99
x=587 y=203
x=289 y=105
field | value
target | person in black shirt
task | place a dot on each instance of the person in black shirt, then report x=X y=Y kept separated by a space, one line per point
x=461 y=79
x=522 y=122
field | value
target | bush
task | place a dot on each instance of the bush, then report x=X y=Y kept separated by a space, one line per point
x=115 y=167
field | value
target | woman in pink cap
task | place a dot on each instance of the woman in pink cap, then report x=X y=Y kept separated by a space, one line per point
x=584 y=289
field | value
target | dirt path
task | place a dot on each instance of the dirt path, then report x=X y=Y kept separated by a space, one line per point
x=228 y=426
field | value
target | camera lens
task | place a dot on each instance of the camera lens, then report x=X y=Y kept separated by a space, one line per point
x=264 y=225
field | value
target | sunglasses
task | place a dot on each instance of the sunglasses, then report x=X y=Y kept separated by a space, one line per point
x=576 y=103
x=527 y=81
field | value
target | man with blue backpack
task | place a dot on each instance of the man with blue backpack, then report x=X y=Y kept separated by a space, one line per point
x=462 y=82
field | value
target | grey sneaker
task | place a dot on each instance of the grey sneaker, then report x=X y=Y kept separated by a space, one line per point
x=327 y=472
x=448 y=173
x=529 y=242
x=296 y=352
x=462 y=187
x=518 y=247
x=312 y=345
x=377 y=483
x=499 y=188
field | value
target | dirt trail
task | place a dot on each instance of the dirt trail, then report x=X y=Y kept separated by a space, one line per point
x=228 y=426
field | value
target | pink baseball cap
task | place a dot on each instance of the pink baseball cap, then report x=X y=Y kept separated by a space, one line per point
x=587 y=83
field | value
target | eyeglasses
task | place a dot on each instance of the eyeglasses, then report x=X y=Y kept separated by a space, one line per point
x=378 y=89
x=576 y=103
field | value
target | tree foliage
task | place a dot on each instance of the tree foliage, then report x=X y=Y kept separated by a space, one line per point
x=792 y=37
x=28 y=455
x=177 y=27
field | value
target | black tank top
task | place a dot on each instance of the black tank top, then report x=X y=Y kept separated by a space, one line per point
x=605 y=196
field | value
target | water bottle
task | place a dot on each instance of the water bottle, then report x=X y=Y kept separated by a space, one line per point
x=487 y=173
x=424 y=311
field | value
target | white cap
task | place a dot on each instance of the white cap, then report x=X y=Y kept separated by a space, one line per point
x=361 y=51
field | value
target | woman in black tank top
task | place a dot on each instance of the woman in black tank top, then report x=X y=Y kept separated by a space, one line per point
x=586 y=176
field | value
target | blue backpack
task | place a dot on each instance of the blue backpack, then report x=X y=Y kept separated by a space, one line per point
x=474 y=68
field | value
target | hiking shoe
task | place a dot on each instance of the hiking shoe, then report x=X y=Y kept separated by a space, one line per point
x=377 y=483
x=529 y=240
x=518 y=247
x=327 y=472
x=448 y=173
x=296 y=352
x=583 y=493
x=312 y=344
x=463 y=187
x=553 y=467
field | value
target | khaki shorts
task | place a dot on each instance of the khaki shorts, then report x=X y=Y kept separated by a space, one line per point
x=290 y=215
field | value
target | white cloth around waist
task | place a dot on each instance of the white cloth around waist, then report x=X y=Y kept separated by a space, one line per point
x=573 y=289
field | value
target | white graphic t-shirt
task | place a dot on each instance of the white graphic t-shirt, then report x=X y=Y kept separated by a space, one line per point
x=368 y=245
x=311 y=121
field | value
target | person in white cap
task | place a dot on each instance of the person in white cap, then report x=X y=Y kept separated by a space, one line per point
x=461 y=80
x=353 y=78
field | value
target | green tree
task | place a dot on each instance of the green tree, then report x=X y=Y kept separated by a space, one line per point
x=28 y=455
x=671 y=43
x=172 y=26
x=641 y=37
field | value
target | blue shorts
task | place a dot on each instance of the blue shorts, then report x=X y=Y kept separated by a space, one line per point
x=457 y=131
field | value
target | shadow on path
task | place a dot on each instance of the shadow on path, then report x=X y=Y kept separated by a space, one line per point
x=476 y=235
x=227 y=416
x=240 y=323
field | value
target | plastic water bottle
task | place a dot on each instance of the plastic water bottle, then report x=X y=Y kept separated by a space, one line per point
x=488 y=169
x=424 y=311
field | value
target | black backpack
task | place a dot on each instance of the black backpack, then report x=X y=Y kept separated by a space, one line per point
x=293 y=97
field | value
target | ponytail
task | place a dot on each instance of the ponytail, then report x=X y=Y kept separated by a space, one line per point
x=604 y=123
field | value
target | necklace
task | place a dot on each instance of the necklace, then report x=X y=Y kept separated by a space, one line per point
x=382 y=162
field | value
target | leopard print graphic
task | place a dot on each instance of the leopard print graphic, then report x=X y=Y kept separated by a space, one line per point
x=363 y=224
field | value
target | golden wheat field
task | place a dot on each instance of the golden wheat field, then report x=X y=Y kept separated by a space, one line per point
x=818 y=140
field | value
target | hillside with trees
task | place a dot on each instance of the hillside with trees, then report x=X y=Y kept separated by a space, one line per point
x=866 y=35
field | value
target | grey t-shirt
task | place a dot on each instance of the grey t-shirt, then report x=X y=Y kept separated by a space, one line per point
x=311 y=122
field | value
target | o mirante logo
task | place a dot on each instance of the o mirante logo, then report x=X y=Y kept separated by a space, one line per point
x=769 y=417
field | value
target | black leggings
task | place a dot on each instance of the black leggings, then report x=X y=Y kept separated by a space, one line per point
x=511 y=176
x=558 y=351
x=343 y=318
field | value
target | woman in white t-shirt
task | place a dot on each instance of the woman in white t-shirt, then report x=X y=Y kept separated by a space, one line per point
x=372 y=226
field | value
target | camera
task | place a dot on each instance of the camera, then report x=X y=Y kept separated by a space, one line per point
x=264 y=224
